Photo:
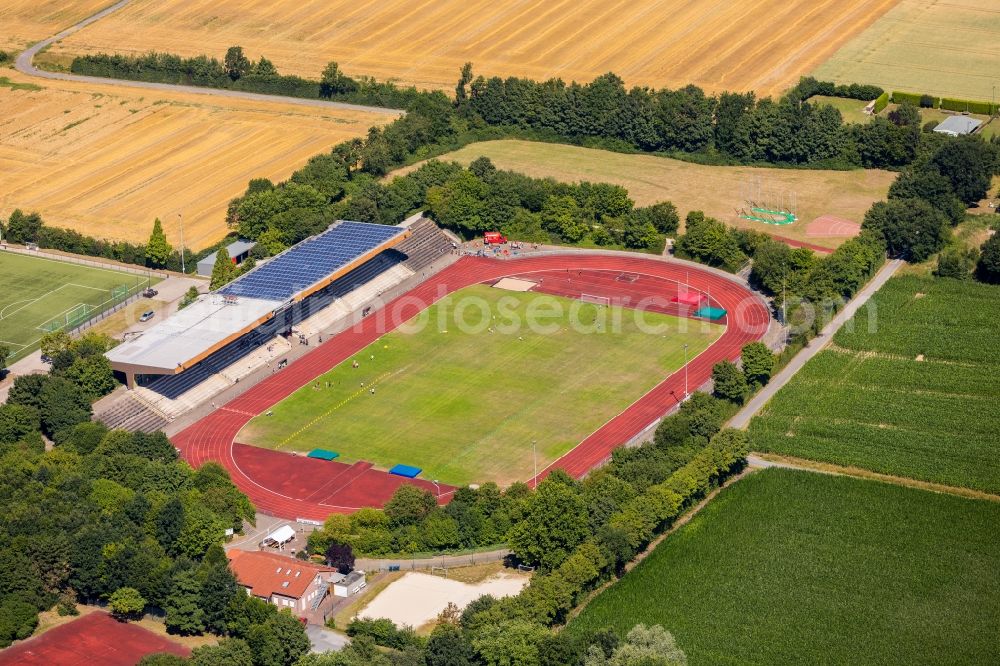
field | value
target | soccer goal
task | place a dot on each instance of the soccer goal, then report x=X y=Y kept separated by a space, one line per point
x=439 y=571
x=596 y=300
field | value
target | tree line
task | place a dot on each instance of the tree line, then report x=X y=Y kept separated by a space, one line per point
x=237 y=72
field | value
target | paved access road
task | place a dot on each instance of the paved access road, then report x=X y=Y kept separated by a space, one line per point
x=742 y=418
x=25 y=65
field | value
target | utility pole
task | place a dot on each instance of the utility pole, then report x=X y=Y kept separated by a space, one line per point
x=180 y=221
x=685 y=371
x=534 y=456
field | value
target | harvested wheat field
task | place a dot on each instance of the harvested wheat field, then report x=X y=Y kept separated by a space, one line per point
x=715 y=190
x=756 y=44
x=940 y=47
x=107 y=160
x=28 y=21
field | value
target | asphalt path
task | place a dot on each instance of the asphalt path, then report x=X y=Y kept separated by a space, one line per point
x=25 y=65
x=742 y=418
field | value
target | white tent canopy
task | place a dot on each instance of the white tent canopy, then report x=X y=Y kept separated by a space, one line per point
x=282 y=535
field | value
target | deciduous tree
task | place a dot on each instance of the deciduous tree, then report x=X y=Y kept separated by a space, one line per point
x=126 y=603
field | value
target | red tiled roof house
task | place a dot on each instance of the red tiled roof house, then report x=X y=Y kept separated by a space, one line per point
x=283 y=581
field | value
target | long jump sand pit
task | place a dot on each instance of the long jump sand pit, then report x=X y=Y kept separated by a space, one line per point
x=418 y=598
x=763 y=45
x=105 y=160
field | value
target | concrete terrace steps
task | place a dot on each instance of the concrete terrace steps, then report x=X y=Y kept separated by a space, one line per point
x=426 y=244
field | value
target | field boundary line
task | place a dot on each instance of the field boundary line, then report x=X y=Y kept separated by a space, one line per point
x=82 y=261
x=832 y=469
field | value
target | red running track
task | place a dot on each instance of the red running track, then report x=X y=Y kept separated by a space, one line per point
x=291 y=486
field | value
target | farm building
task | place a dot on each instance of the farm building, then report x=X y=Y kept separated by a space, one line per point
x=283 y=581
x=958 y=125
x=238 y=251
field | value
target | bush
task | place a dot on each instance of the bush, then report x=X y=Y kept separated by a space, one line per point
x=927 y=102
x=881 y=102
x=913 y=98
x=930 y=125
x=385 y=633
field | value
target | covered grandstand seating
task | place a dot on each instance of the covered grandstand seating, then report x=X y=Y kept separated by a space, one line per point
x=313 y=260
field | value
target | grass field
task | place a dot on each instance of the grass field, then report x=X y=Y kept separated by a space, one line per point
x=915 y=398
x=465 y=406
x=35 y=292
x=760 y=44
x=28 y=21
x=712 y=189
x=790 y=567
x=106 y=160
x=940 y=47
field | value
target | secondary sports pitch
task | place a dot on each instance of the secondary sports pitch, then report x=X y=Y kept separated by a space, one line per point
x=762 y=45
x=715 y=190
x=789 y=567
x=462 y=390
x=39 y=294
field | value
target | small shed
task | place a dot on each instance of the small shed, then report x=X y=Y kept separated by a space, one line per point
x=958 y=125
x=350 y=584
x=238 y=251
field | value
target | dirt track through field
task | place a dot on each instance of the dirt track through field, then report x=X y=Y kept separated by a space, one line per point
x=759 y=44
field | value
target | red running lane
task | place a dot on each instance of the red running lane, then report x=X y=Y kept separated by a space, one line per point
x=292 y=486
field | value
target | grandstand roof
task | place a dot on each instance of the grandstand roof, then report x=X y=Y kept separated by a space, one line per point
x=300 y=270
x=180 y=340
x=211 y=322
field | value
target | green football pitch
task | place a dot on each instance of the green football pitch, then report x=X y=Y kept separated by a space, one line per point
x=464 y=403
x=39 y=295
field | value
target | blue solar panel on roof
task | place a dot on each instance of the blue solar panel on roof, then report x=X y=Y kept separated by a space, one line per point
x=311 y=260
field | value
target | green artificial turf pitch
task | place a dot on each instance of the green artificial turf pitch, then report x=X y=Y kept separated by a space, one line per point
x=36 y=292
x=465 y=406
x=789 y=567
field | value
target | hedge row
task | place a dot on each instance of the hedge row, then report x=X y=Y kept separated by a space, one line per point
x=550 y=597
x=947 y=103
x=810 y=87
x=881 y=102
x=963 y=105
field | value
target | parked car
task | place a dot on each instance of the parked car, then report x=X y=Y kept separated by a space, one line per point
x=150 y=292
x=147 y=315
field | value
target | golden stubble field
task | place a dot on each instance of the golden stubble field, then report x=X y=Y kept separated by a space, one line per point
x=939 y=47
x=106 y=160
x=24 y=22
x=763 y=45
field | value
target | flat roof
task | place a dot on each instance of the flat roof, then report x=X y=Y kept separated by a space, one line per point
x=211 y=322
x=956 y=125
x=180 y=340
